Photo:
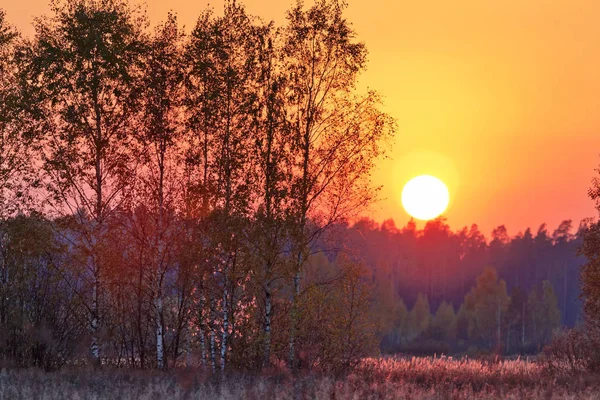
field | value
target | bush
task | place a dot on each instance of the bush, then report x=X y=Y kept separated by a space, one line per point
x=571 y=352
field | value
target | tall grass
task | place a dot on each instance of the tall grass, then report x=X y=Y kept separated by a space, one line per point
x=383 y=378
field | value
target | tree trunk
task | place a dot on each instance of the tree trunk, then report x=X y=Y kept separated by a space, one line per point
x=294 y=321
x=201 y=333
x=523 y=327
x=225 y=329
x=509 y=328
x=213 y=355
x=564 y=313
x=159 y=333
x=95 y=347
x=267 y=353
x=499 y=324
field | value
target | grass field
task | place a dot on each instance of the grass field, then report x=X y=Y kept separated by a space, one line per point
x=411 y=378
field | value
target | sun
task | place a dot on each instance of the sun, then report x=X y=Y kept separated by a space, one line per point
x=425 y=197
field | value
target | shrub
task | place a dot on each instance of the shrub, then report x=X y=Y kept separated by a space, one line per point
x=571 y=352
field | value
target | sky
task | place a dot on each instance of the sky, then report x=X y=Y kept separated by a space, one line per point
x=499 y=99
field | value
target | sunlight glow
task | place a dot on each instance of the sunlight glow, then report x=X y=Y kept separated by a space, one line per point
x=425 y=197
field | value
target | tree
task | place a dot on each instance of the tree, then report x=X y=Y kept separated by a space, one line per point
x=82 y=66
x=543 y=313
x=444 y=322
x=273 y=163
x=15 y=167
x=419 y=318
x=158 y=185
x=516 y=318
x=339 y=328
x=590 y=272
x=388 y=308
x=487 y=303
x=223 y=62
x=337 y=134
x=16 y=173
x=39 y=321
x=551 y=311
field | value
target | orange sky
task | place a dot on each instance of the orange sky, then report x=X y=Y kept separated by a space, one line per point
x=500 y=99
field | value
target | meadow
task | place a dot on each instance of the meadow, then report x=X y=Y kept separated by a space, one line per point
x=376 y=378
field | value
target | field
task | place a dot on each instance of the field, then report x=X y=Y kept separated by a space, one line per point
x=414 y=378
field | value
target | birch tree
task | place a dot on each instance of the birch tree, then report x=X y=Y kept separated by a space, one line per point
x=16 y=174
x=81 y=65
x=222 y=54
x=273 y=167
x=159 y=181
x=337 y=133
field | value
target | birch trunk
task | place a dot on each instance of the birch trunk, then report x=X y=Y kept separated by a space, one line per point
x=268 y=300
x=201 y=333
x=159 y=333
x=225 y=328
x=213 y=355
x=95 y=347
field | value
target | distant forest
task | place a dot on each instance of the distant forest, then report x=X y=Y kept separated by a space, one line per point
x=171 y=199
x=532 y=276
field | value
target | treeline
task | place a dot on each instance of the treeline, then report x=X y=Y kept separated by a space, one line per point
x=443 y=264
x=162 y=194
x=489 y=320
x=435 y=290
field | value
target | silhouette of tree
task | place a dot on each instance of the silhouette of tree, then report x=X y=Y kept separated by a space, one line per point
x=337 y=135
x=158 y=185
x=83 y=64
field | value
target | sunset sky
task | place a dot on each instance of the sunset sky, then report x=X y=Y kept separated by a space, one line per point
x=499 y=99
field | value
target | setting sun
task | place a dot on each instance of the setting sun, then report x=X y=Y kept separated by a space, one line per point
x=425 y=197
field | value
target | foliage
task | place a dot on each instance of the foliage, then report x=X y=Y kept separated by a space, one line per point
x=486 y=321
x=570 y=353
x=486 y=304
x=419 y=317
x=187 y=182
x=590 y=276
x=443 y=324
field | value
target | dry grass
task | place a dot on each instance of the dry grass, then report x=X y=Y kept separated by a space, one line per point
x=414 y=378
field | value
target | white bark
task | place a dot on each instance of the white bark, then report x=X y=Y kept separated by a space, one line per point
x=213 y=355
x=225 y=328
x=95 y=347
x=159 y=333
